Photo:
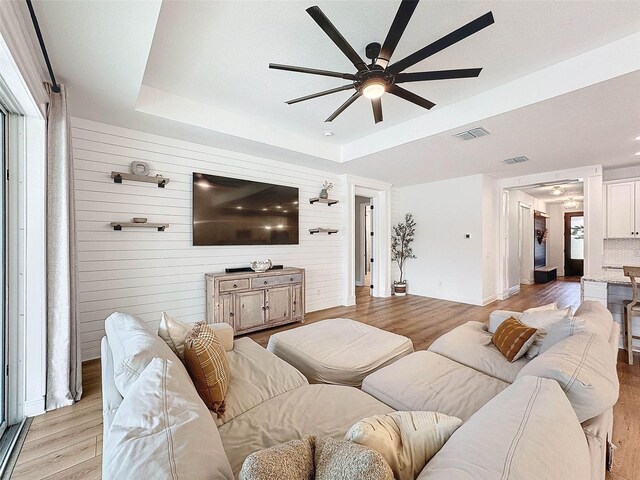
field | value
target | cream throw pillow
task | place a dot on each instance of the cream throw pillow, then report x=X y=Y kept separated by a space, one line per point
x=174 y=333
x=407 y=440
x=542 y=319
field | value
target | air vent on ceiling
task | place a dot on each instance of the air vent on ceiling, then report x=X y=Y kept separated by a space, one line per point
x=473 y=133
x=511 y=161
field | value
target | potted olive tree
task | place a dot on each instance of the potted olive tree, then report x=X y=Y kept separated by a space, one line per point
x=401 y=250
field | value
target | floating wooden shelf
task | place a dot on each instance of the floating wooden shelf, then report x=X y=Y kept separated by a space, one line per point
x=119 y=176
x=120 y=225
x=328 y=231
x=328 y=201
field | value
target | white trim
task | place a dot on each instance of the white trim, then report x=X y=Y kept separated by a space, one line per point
x=27 y=226
x=527 y=280
x=592 y=176
x=380 y=192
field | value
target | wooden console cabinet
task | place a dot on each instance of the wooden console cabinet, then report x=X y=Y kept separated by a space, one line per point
x=251 y=301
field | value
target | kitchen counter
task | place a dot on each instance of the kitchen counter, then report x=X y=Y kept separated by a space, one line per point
x=608 y=275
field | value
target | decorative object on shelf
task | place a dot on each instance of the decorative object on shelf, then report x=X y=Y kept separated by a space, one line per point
x=120 y=225
x=328 y=201
x=571 y=203
x=118 y=177
x=401 y=250
x=328 y=231
x=140 y=168
x=260 y=266
x=541 y=235
x=139 y=220
x=324 y=193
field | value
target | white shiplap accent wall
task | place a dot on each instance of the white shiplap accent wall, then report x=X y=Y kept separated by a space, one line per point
x=146 y=272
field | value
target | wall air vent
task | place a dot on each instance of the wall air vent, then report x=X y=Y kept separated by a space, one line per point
x=511 y=161
x=473 y=133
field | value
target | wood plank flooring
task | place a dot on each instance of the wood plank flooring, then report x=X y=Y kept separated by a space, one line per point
x=67 y=443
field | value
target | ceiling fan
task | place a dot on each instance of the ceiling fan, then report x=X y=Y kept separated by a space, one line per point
x=374 y=79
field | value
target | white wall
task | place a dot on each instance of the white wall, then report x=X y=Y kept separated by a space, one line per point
x=145 y=272
x=449 y=266
x=490 y=229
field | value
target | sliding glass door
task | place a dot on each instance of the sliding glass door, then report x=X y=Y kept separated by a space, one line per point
x=3 y=276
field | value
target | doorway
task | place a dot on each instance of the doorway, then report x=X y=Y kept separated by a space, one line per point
x=574 y=244
x=363 y=245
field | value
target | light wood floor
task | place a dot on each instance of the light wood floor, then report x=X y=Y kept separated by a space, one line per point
x=67 y=443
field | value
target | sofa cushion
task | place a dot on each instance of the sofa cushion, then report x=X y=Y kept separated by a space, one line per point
x=162 y=430
x=542 y=320
x=407 y=440
x=596 y=314
x=207 y=365
x=174 y=333
x=513 y=339
x=257 y=375
x=583 y=366
x=470 y=344
x=430 y=382
x=527 y=429
x=133 y=346
x=320 y=410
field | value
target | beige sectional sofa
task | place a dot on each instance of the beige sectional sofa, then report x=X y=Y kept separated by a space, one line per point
x=516 y=426
x=461 y=371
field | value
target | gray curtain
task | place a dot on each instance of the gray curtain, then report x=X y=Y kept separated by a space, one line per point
x=64 y=368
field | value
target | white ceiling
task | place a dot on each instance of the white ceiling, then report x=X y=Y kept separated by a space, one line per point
x=553 y=87
x=572 y=190
x=217 y=53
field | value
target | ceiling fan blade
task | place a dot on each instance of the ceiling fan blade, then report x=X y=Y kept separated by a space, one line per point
x=395 y=32
x=410 y=96
x=446 y=41
x=321 y=94
x=312 y=71
x=325 y=24
x=344 y=106
x=437 y=75
x=376 y=103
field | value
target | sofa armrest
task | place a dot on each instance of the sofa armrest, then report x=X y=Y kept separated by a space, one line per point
x=224 y=333
x=498 y=316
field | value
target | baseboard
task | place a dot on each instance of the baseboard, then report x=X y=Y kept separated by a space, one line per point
x=489 y=299
x=507 y=293
x=526 y=281
x=359 y=283
x=349 y=301
x=34 y=407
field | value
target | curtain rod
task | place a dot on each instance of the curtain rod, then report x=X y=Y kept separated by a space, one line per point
x=54 y=85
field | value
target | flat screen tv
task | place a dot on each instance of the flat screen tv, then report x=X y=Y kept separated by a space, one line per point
x=230 y=211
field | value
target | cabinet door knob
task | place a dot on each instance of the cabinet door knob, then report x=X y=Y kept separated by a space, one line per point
x=231 y=314
x=264 y=308
x=291 y=279
x=235 y=286
x=265 y=282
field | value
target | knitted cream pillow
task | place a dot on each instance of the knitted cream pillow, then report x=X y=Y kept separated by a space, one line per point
x=407 y=440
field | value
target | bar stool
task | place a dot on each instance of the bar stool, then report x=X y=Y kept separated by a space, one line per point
x=632 y=309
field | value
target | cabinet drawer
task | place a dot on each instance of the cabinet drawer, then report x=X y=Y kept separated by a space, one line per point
x=231 y=285
x=276 y=280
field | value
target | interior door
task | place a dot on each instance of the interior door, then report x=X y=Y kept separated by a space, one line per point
x=574 y=244
x=250 y=310
x=278 y=304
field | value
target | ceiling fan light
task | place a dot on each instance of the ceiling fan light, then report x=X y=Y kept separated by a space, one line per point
x=374 y=89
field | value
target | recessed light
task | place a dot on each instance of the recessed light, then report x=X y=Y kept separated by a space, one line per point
x=637 y=138
x=239 y=207
x=637 y=153
x=328 y=133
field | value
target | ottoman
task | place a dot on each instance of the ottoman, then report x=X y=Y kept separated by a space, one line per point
x=338 y=351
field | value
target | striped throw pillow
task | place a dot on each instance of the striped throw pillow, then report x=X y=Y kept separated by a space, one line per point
x=207 y=364
x=513 y=338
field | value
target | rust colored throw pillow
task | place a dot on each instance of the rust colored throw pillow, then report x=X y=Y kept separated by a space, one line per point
x=513 y=338
x=206 y=362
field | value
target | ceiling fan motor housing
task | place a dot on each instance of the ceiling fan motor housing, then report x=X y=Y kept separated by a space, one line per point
x=373 y=50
